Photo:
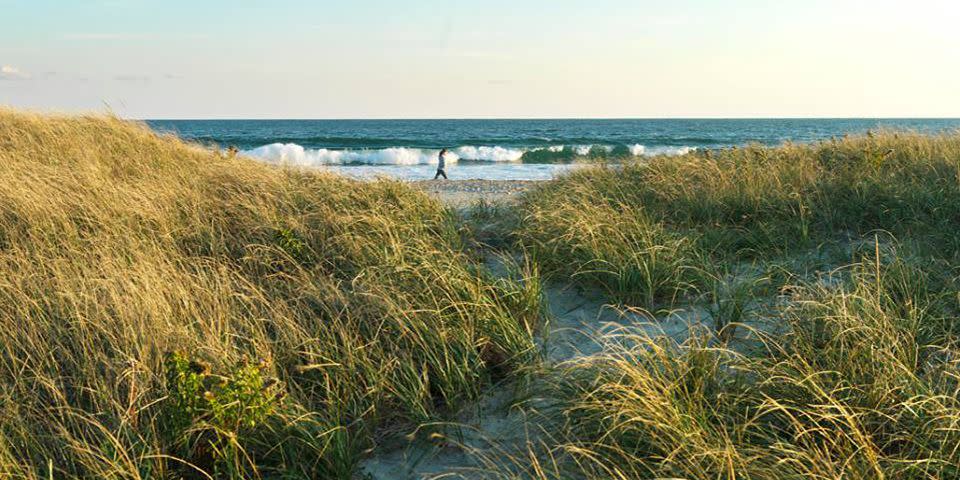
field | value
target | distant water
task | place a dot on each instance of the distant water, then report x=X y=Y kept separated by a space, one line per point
x=503 y=149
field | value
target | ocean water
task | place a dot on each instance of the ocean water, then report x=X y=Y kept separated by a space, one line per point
x=504 y=149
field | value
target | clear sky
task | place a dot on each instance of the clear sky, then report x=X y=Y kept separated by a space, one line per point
x=483 y=58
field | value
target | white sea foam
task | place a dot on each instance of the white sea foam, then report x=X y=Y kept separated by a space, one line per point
x=490 y=154
x=293 y=154
x=583 y=149
x=641 y=150
x=670 y=151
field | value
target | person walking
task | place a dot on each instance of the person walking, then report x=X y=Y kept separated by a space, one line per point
x=440 y=164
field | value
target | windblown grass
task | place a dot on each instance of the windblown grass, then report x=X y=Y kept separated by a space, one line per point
x=865 y=384
x=167 y=311
x=669 y=217
x=863 y=381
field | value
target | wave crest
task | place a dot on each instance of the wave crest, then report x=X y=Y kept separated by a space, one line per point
x=294 y=154
x=490 y=154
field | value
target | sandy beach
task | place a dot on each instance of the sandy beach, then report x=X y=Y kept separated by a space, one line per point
x=463 y=193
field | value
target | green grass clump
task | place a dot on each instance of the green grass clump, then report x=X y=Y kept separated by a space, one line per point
x=118 y=246
x=618 y=247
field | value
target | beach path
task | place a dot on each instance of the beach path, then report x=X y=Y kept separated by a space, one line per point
x=500 y=428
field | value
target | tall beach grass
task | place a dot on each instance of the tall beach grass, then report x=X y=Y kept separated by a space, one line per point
x=850 y=245
x=643 y=231
x=168 y=311
x=863 y=385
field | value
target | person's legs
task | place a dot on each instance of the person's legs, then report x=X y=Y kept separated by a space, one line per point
x=440 y=172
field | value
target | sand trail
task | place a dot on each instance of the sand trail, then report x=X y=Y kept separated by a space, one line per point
x=502 y=425
x=498 y=425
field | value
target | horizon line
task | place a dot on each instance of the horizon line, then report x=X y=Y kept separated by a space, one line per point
x=338 y=119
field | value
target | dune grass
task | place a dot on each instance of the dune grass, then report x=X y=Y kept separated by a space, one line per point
x=863 y=385
x=851 y=247
x=170 y=312
x=656 y=227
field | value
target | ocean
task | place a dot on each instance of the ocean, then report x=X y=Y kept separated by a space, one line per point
x=504 y=149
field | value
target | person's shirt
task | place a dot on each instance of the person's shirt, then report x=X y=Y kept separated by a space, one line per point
x=441 y=163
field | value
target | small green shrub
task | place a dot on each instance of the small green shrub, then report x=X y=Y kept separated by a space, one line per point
x=290 y=242
x=209 y=415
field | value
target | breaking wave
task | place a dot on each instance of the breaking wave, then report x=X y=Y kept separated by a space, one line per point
x=294 y=154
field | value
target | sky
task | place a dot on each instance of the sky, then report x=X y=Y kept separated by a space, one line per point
x=483 y=58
